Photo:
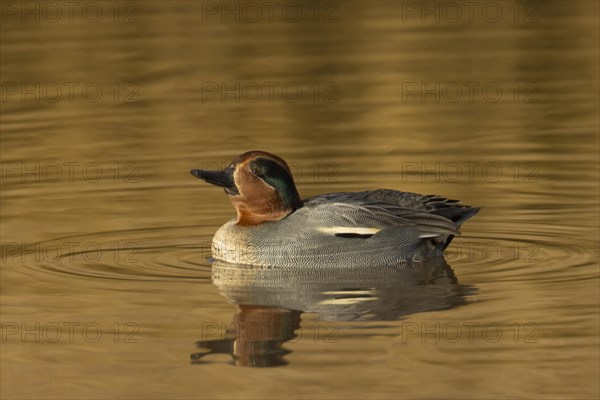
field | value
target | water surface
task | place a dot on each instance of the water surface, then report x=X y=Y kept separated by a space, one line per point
x=106 y=287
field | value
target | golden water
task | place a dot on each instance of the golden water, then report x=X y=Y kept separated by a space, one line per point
x=105 y=283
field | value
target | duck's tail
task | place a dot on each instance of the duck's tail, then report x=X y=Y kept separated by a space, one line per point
x=457 y=214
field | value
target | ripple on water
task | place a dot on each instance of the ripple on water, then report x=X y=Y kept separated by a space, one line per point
x=168 y=254
x=163 y=254
x=509 y=255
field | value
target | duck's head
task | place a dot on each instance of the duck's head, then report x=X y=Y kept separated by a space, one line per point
x=259 y=185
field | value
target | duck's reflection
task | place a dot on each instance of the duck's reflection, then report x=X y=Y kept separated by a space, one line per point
x=255 y=336
x=271 y=301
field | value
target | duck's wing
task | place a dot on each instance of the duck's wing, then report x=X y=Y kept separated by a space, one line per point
x=346 y=217
x=433 y=216
x=390 y=199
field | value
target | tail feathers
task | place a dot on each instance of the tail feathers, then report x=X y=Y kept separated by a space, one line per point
x=457 y=214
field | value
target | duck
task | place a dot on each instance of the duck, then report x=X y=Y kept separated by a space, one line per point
x=274 y=227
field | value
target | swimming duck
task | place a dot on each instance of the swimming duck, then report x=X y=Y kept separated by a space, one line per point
x=275 y=227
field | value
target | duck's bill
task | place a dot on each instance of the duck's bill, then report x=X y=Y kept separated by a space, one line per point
x=222 y=178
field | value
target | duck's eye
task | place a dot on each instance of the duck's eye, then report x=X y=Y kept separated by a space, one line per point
x=255 y=171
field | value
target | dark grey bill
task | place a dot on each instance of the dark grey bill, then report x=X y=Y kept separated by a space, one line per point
x=222 y=178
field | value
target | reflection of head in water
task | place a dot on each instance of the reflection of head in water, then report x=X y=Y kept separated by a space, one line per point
x=255 y=337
